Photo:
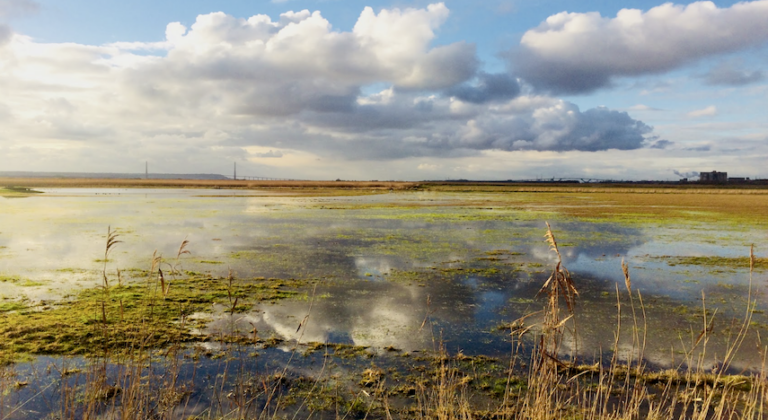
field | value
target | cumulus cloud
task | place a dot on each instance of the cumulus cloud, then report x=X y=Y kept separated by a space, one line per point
x=298 y=62
x=581 y=52
x=392 y=45
x=562 y=127
x=14 y=8
x=709 y=111
x=730 y=74
x=289 y=88
x=446 y=129
x=489 y=87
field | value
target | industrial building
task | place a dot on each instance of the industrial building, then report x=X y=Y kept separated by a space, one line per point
x=713 y=176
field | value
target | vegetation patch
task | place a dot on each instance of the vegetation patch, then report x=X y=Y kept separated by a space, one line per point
x=714 y=261
x=20 y=281
x=12 y=306
x=209 y=262
x=13 y=191
x=120 y=319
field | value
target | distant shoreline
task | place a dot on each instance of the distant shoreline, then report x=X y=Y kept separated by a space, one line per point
x=456 y=186
x=44 y=182
x=106 y=175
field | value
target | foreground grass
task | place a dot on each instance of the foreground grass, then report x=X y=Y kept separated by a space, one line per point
x=138 y=341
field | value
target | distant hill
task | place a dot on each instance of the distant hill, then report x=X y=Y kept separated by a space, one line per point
x=105 y=175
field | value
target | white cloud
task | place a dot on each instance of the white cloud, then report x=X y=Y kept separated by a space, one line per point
x=581 y=52
x=229 y=89
x=391 y=46
x=709 y=111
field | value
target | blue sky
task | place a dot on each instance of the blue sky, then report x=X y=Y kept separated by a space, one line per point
x=386 y=90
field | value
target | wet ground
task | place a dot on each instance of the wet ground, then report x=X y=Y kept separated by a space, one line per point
x=402 y=270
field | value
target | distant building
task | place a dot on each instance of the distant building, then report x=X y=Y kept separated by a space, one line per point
x=713 y=176
x=738 y=179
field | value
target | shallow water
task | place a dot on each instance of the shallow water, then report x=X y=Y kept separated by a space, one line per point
x=405 y=270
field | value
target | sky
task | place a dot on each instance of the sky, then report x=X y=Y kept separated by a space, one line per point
x=386 y=90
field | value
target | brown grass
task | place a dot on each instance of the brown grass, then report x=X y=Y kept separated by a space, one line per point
x=608 y=188
x=196 y=183
x=622 y=390
x=637 y=201
x=554 y=389
x=729 y=202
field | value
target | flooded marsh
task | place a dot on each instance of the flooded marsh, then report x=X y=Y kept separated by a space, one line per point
x=377 y=291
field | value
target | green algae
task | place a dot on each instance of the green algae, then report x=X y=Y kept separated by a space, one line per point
x=503 y=252
x=73 y=270
x=20 y=281
x=13 y=306
x=352 y=243
x=12 y=192
x=341 y=350
x=460 y=233
x=120 y=319
x=209 y=262
x=713 y=261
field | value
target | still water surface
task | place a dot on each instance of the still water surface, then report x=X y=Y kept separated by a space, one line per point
x=400 y=269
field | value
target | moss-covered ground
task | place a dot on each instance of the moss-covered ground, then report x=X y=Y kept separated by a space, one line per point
x=487 y=240
x=126 y=318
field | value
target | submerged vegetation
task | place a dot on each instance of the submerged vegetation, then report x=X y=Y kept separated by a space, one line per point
x=151 y=318
x=715 y=261
x=177 y=341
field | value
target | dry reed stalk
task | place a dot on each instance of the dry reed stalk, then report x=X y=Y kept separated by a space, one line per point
x=163 y=289
x=232 y=302
x=543 y=398
x=446 y=397
x=182 y=249
x=553 y=391
x=273 y=394
x=111 y=242
x=559 y=284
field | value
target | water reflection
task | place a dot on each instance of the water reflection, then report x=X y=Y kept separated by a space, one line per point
x=387 y=275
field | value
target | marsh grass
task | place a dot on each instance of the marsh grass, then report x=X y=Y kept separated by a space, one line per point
x=309 y=186
x=622 y=388
x=14 y=191
x=140 y=364
x=715 y=261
